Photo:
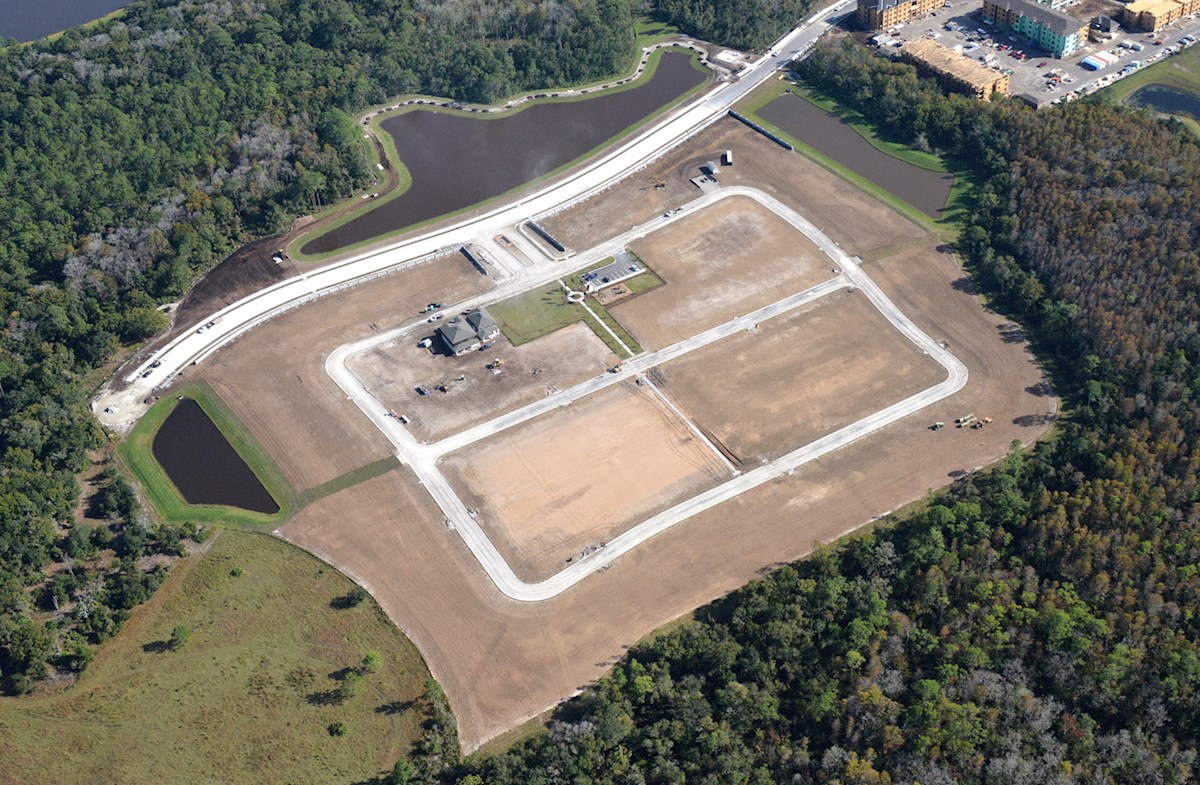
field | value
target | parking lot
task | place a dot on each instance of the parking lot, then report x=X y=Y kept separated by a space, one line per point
x=1036 y=75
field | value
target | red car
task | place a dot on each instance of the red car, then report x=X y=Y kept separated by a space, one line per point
x=1042 y=64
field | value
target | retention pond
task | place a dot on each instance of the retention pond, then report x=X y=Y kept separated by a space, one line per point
x=826 y=132
x=203 y=464
x=457 y=160
x=29 y=20
x=1167 y=100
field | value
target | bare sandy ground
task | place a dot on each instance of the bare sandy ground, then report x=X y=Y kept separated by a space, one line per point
x=858 y=223
x=766 y=392
x=502 y=661
x=718 y=264
x=576 y=477
x=531 y=371
x=274 y=377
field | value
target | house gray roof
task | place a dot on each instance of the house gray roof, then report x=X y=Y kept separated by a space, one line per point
x=881 y=5
x=482 y=322
x=1063 y=24
x=457 y=332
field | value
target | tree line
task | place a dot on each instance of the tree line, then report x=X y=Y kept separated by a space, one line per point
x=1035 y=623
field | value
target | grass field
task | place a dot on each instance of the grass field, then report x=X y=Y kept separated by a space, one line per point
x=1181 y=71
x=137 y=456
x=541 y=311
x=245 y=700
x=957 y=205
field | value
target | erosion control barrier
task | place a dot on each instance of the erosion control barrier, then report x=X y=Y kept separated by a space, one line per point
x=786 y=145
x=546 y=236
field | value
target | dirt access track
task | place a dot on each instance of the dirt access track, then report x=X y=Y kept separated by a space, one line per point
x=576 y=477
x=502 y=661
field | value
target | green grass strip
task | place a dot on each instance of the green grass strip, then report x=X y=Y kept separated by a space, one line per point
x=350 y=479
x=137 y=455
x=606 y=317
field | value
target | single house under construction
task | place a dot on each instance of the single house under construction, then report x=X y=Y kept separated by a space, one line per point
x=465 y=333
x=954 y=70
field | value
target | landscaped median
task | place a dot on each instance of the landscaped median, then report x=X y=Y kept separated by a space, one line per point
x=137 y=455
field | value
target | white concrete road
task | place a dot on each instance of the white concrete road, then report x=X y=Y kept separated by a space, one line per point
x=119 y=409
x=423 y=458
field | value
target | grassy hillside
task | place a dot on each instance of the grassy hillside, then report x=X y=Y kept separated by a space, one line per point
x=249 y=698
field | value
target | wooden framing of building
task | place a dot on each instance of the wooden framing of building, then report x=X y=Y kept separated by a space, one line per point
x=954 y=70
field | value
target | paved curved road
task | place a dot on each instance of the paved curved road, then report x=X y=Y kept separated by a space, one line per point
x=119 y=409
x=423 y=458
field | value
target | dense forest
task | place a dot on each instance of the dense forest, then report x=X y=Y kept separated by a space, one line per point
x=1035 y=624
x=746 y=24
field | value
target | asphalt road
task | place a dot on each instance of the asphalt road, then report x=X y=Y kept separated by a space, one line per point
x=423 y=458
x=119 y=409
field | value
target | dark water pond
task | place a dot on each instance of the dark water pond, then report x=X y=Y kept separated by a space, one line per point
x=458 y=160
x=828 y=133
x=29 y=20
x=203 y=465
x=1167 y=100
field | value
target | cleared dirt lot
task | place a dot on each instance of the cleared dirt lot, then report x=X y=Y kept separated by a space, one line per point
x=766 y=392
x=274 y=377
x=501 y=661
x=577 y=477
x=531 y=371
x=718 y=264
x=858 y=223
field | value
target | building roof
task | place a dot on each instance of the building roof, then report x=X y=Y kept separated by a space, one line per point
x=482 y=322
x=1154 y=7
x=950 y=62
x=457 y=332
x=1059 y=22
x=880 y=5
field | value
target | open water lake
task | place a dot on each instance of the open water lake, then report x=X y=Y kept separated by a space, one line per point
x=457 y=160
x=29 y=20
x=923 y=189
x=1167 y=100
x=203 y=464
